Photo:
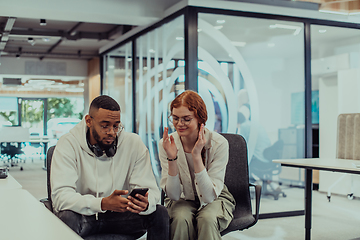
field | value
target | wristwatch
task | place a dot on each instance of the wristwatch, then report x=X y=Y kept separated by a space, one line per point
x=172 y=159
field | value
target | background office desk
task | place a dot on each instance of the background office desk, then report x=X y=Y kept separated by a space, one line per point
x=9 y=183
x=326 y=164
x=24 y=217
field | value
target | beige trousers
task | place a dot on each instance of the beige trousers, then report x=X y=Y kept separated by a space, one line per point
x=187 y=223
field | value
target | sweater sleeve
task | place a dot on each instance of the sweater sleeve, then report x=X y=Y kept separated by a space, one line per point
x=204 y=187
x=142 y=176
x=63 y=180
x=210 y=182
x=172 y=188
x=170 y=184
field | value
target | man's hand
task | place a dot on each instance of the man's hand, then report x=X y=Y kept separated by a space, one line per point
x=115 y=202
x=137 y=206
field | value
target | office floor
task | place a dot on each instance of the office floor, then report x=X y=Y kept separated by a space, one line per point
x=338 y=219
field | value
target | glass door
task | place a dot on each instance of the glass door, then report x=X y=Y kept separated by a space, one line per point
x=32 y=115
x=33 y=118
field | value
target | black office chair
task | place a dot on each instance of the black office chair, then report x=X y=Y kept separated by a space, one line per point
x=237 y=181
x=48 y=203
x=266 y=170
x=11 y=151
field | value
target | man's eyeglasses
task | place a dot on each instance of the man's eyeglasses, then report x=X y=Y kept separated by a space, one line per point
x=175 y=120
x=107 y=128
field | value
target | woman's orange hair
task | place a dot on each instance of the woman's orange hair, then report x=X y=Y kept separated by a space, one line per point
x=194 y=103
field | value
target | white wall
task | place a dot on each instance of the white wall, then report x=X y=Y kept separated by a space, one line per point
x=276 y=79
x=337 y=94
x=17 y=66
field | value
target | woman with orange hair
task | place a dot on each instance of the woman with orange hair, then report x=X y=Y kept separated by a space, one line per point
x=193 y=161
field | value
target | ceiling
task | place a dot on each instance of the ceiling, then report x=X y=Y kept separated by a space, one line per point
x=341 y=6
x=78 y=29
x=70 y=29
x=25 y=37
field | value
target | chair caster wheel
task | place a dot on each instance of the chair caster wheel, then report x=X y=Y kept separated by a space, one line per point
x=328 y=197
x=284 y=195
x=350 y=196
x=21 y=168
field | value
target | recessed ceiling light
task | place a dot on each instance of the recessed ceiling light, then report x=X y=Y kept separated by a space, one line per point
x=74 y=90
x=40 y=82
x=284 y=26
x=42 y=22
x=152 y=50
x=199 y=30
x=239 y=44
x=218 y=27
x=179 y=38
x=220 y=21
x=322 y=31
x=333 y=12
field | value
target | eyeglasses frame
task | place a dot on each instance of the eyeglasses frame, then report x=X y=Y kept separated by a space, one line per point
x=121 y=127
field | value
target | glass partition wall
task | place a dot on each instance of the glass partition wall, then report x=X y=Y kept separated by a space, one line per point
x=118 y=81
x=251 y=76
x=159 y=78
x=253 y=72
x=335 y=65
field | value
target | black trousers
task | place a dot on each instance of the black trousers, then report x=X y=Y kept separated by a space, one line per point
x=156 y=224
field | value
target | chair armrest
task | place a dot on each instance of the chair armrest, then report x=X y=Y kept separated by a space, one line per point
x=163 y=195
x=47 y=203
x=257 y=199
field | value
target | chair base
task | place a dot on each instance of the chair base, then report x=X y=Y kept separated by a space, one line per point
x=275 y=192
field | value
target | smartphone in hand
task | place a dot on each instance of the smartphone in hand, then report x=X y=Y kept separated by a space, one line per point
x=141 y=191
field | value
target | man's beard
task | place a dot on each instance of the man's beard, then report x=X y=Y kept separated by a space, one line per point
x=99 y=142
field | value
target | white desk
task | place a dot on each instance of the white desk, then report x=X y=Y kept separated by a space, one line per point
x=9 y=183
x=325 y=164
x=24 y=217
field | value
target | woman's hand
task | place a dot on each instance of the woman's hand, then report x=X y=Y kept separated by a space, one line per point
x=200 y=143
x=169 y=144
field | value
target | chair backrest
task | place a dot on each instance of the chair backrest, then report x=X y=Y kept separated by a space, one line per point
x=48 y=168
x=237 y=174
x=275 y=151
x=348 y=136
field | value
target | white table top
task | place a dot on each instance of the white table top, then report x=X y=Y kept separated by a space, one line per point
x=327 y=164
x=9 y=183
x=24 y=217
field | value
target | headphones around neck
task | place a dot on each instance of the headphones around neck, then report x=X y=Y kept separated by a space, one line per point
x=98 y=151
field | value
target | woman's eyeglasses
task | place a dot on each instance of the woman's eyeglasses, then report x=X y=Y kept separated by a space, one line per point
x=175 y=120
